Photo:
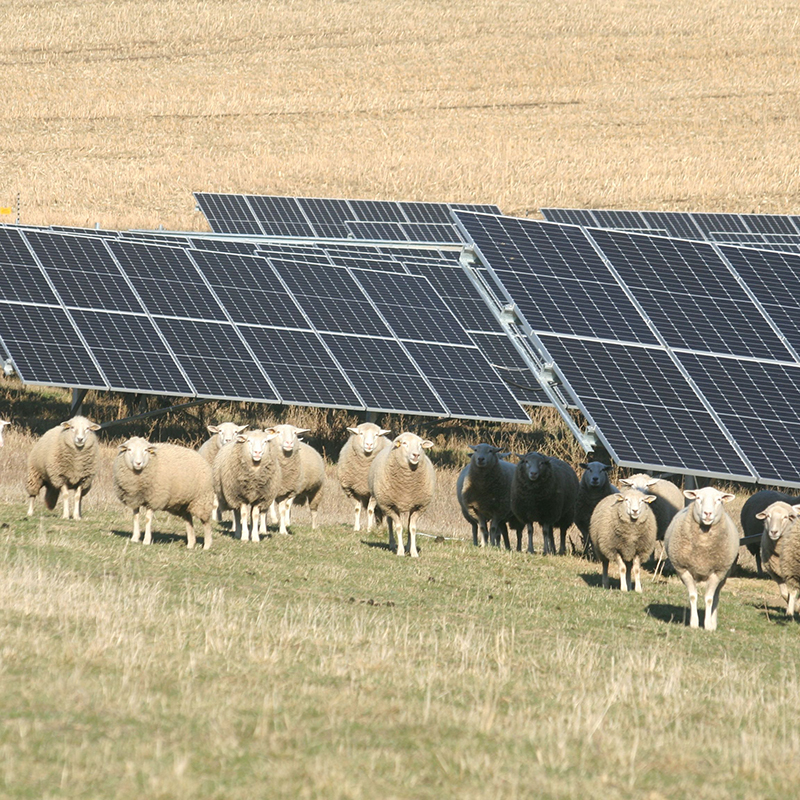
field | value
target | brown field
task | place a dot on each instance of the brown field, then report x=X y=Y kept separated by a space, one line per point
x=319 y=665
x=113 y=114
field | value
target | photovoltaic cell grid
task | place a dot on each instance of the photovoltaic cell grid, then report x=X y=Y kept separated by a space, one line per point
x=167 y=320
x=702 y=402
x=332 y=218
x=775 y=231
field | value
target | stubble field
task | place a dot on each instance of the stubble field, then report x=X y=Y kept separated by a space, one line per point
x=321 y=665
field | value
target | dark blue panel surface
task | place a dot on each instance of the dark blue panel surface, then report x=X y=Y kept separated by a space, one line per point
x=228 y=213
x=301 y=368
x=384 y=375
x=280 y=216
x=46 y=348
x=510 y=366
x=644 y=407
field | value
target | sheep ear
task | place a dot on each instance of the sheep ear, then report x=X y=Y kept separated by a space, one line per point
x=426 y=443
x=212 y=428
x=583 y=465
x=384 y=432
x=123 y=447
x=650 y=498
x=66 y=424
x=272 y=434
x=607 y=467
x=396 y=443
x=626 y=481
x=298 y=431
x=690 y=494
x=727 y=497
x=796 y=508
x=151 y=448
x=618 y=498
x=240 y=437
x=472 y=447
x=240 y=428
x=504 y=455
x=356 y=431
x=763 y=514
x=94 y=427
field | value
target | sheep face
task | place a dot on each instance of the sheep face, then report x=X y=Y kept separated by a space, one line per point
x=3 y=423
x=257 y=443
x=368 y=434
x=80 y=428
x=485 y=456
x=596 y=475
x=226 y=431
x=707 y=504
x=778 y=519
x=534 y=466
x=288 y=436
x=411 y=447
x=137 y=453
x=633 y=503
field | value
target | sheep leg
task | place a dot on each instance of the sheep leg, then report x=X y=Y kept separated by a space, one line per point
x=215 y=513
x=289 y=503
x=713 y=589
x=392 y=521
x=137 y=534
x=502 y=531
x=357 y=520
x=371 y=514
x=273 y=513
x=314 y=518
x=624 y=584
x=412 y=534
x=688 y=582
x=256 y=513
x=486 y=537
x=191 y=541
x=549 y=540
x=530 y=538
x=283 y=515
x=637 y=574
x=65 y=497
x=562 y=549
x=30 y=505
x=784 y=590
x=76 y=502
x=207 y=535
x=262 y=523
x=244 y=516
x=792 y=602
x=148 y=526
x=605 y=573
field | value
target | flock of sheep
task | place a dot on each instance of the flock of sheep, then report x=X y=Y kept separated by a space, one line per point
x=254 y=473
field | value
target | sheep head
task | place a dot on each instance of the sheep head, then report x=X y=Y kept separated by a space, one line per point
x=411 y=447
x=778 y=519
x=80 y=428
x=707 y=504
x=634 y=502
x=368 y=434
x=137 y=453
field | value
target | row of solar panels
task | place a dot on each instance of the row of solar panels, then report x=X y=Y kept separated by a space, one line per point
x=683 y=354
x=321 y=218
x=771 y=231
x=346 y=326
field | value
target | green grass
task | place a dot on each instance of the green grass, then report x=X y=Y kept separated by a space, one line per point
x=321 y=665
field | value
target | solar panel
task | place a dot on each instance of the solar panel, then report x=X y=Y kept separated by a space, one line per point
x=570 y=216
x=391 y=231
x=690 y=295
x=509 y=364
x=280 y=216
x=46 y=348
x=327 y=216
x=647 y=413
x=228 y=213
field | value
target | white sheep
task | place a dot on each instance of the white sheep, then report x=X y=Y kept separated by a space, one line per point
x=355 y=459
x=669 y=498
x=286 y=451
x=753 y=525
x=3 y=424
x=164 y=477
x=246 y=478
x=780 y=549
x=221 y=434
x=312 y=481
x=64 y=461
x=402 y=482
x=594 y=486
x=624 y=528
x=702 y=543
x=483 y=491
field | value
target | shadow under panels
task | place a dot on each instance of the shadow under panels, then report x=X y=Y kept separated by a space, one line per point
x=686 y=370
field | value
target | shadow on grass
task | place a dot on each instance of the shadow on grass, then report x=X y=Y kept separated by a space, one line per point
x=774 y=614
x=595 y=579
x=666 y=612
x=162 y=538
x=382 y=546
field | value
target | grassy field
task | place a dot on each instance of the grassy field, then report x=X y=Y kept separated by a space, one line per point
x=320 y=664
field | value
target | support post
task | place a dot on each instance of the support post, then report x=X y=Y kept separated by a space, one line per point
x=78 y=396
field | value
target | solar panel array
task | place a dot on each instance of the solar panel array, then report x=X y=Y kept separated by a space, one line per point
x=289 y=325
x=679 y=353
x=331 y=218
x=764 y=231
